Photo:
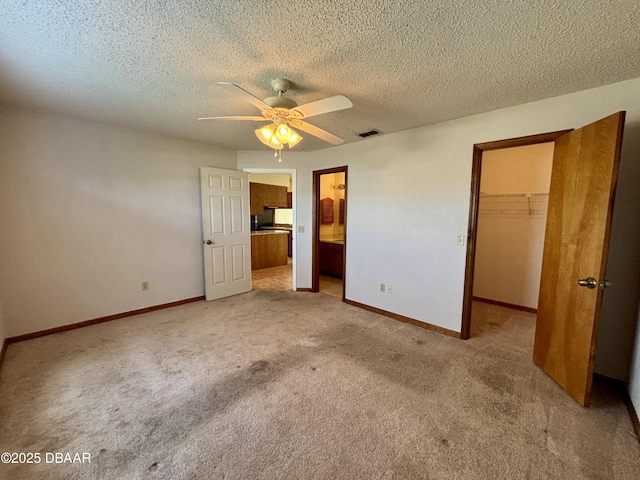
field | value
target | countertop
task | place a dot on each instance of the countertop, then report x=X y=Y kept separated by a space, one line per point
x=269 y=232
x=277 y=227
x=335 y=241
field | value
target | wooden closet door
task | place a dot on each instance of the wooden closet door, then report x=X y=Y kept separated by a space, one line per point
x=583 y=181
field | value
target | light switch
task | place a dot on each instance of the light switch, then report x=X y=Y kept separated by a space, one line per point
x=300 y=228
x=460 y=241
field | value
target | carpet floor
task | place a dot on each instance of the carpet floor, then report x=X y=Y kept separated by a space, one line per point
x=284 y=385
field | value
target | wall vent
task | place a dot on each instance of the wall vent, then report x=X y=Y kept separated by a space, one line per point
x=369 y=133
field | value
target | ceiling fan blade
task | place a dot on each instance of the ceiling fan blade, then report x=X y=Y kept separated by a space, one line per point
x=326 y=105
x=246 y=96
x=316 y=132
x=255 y=119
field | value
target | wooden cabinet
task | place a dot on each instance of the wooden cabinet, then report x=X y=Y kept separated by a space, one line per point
x=264 y=195
x=277 y=196
x=268 y=250
x=326 y=210
x=258 y=196
x=330 y=258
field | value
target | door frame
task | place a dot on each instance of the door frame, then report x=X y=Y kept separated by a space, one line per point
x=294 y=235
x=315 y=269
x=476 y=170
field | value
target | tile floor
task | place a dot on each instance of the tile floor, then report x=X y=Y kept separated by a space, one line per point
x=331 y=286
x=273 y=278
x=280 y=279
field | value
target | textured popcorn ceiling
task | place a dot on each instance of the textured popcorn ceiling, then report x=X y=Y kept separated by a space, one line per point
x=153 y=65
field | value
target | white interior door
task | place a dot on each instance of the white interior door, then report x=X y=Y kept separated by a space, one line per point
x=226 y=232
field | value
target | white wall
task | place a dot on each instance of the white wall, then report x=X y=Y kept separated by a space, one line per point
x=93 y=210
x=3 y=328
x=510 y=236
x=409 y=199
x=634 y=382
x=620 y=303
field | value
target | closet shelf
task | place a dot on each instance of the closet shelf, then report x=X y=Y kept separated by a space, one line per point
x=517 y=203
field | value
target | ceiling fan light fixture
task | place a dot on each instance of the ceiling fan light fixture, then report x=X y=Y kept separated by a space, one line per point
x=267 y=135
x=294 y=139
x=283 y=113
x=283 y=133
x=276 y=135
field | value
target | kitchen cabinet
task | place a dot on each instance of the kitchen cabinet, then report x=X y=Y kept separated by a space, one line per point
x=276 y=196
x=263 y=195
x=331 y=258
x=257 y=198
x=268 y=249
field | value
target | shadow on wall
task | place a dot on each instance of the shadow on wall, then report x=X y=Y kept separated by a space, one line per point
x=620 y=303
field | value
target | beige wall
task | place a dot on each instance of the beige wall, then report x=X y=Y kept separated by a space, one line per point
x=509 y=242
x=271 y=179
x=519 y=169
x=92 y=211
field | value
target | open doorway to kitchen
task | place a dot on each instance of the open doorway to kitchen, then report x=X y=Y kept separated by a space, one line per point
x=329 y=239
x=272 y=222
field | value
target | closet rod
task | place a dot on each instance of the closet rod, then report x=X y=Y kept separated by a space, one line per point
x=514 y=194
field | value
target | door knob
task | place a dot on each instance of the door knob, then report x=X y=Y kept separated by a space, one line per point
x=209 y=242
x=602 y=284
x=588 y=282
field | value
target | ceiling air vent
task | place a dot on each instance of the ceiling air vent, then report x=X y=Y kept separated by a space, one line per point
x=369 y=133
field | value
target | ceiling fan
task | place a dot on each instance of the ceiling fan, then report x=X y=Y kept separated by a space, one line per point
x=283 y=113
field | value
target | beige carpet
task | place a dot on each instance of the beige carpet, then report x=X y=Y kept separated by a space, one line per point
x=298 y=386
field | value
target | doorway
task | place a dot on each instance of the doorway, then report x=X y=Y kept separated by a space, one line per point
x=272 y=229
x=476 y=173
x=330 y=226
x=514 y=194
x=580 y=208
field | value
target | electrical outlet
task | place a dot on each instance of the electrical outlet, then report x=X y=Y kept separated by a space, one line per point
x=300 y=228
x=145 y=286
x=460 y=241
x=389 y=288
x=383 y=288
